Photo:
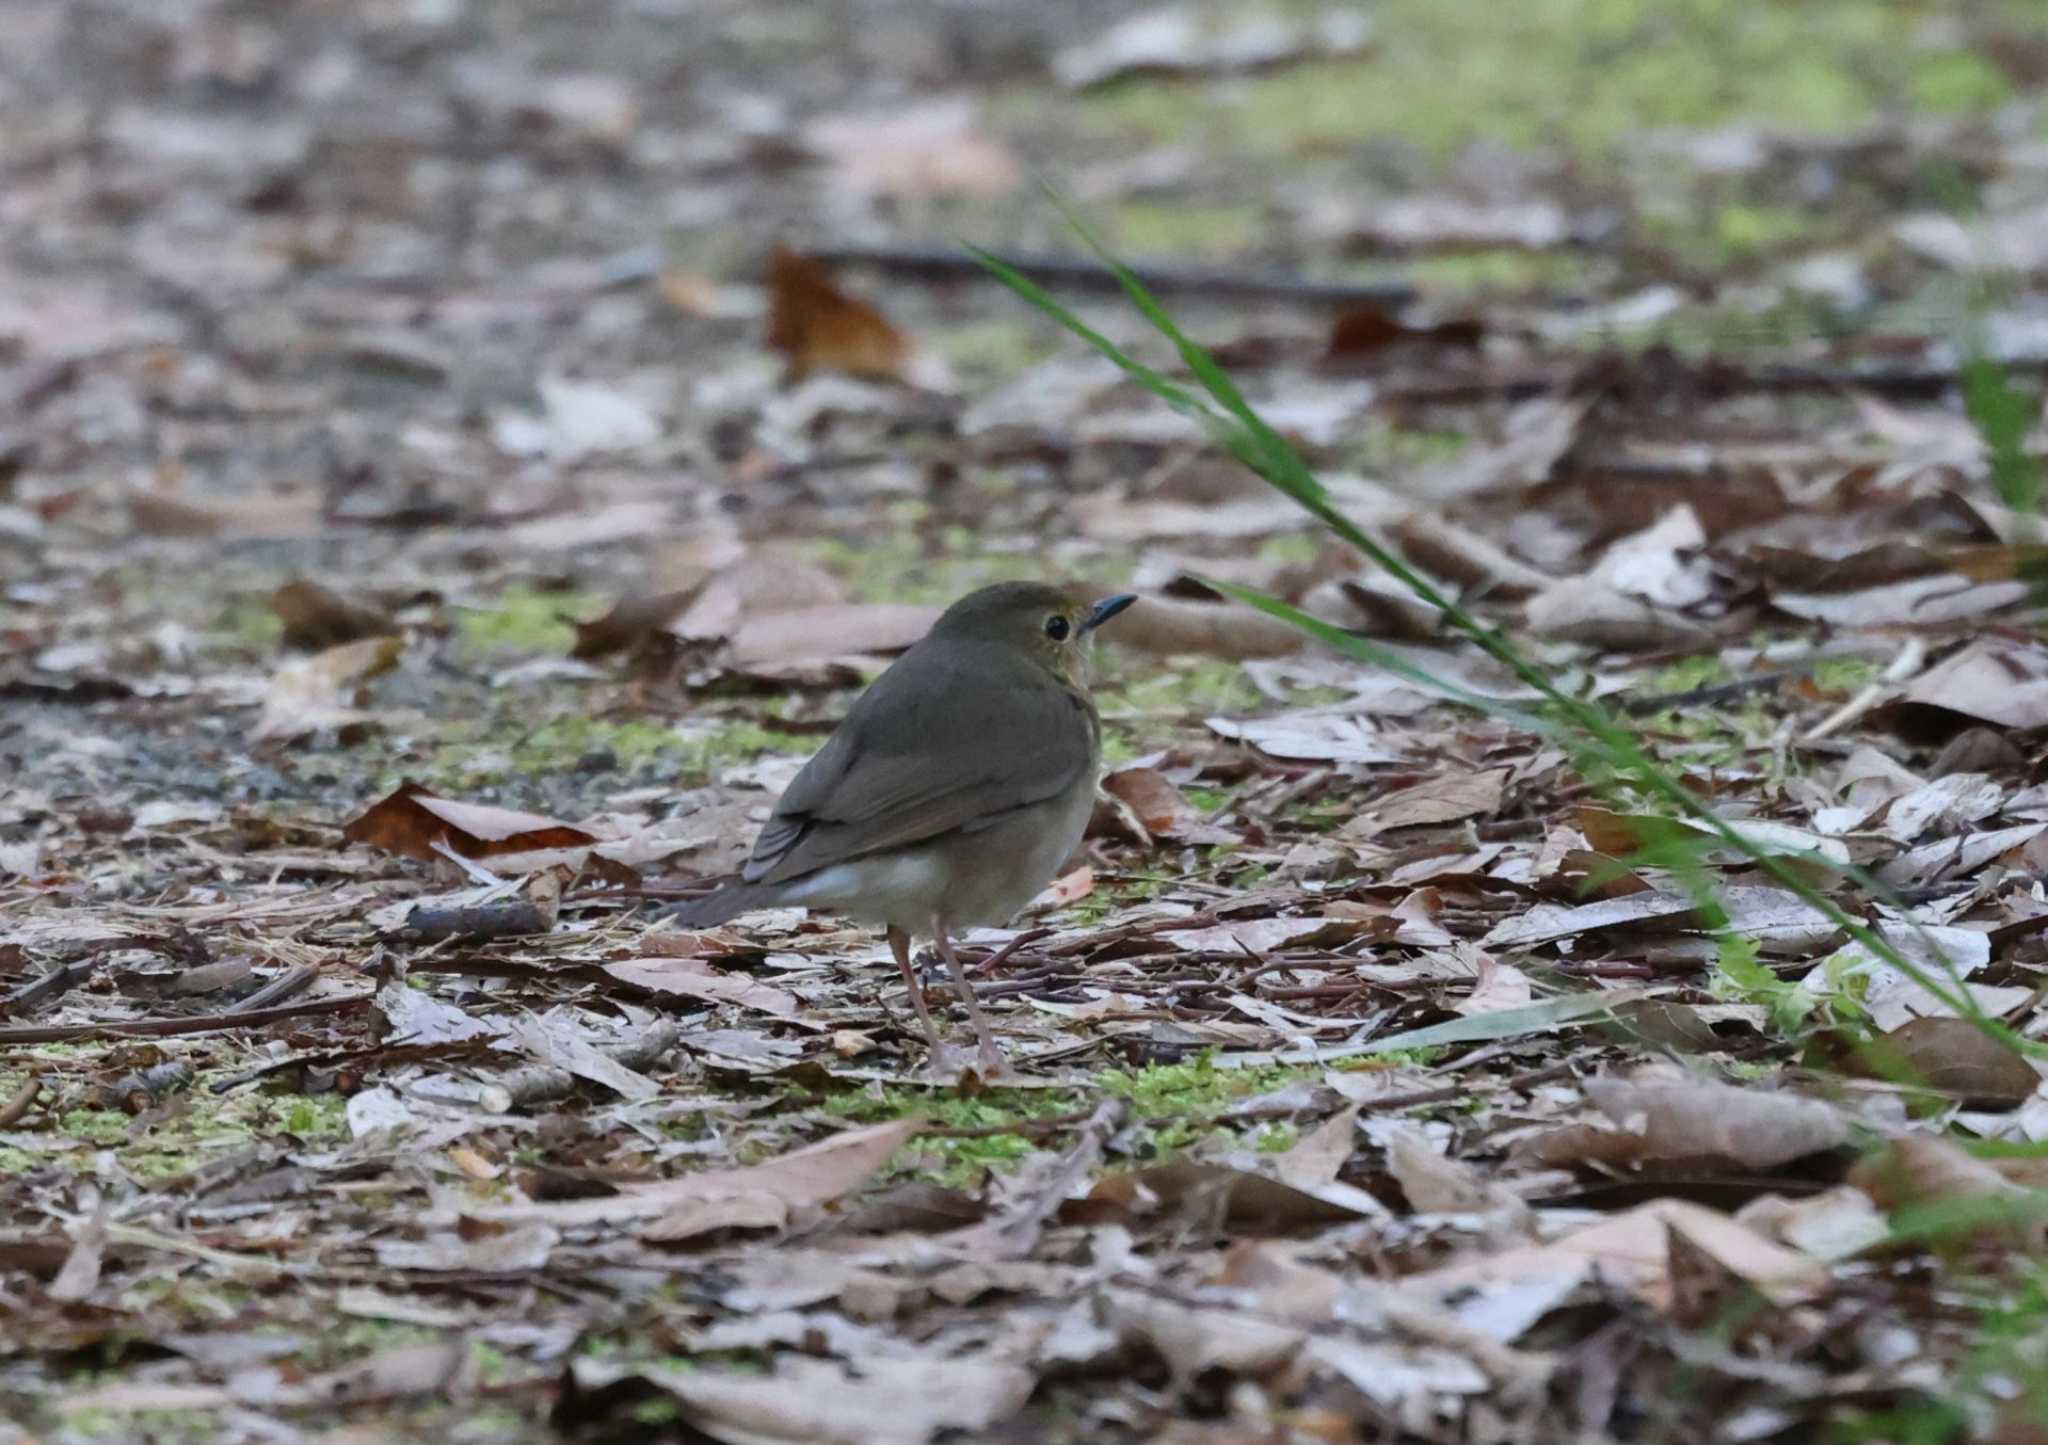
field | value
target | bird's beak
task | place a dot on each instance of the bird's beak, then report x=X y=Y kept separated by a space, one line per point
x=1107 y=608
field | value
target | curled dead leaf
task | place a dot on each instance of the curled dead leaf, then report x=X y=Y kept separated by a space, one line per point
x=692 y=978
x=1956 y=1057
x=1156 y=806
x=630 y=622
x=1180 y=626
x=412 y=819
x=1216 y=1193
x=311 y=693
x=1694 y=1122
x=317 y=617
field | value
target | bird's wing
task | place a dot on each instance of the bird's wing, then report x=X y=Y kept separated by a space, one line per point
x=964 y=743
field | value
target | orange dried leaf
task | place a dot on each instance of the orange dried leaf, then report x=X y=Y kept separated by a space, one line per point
x=818 y=327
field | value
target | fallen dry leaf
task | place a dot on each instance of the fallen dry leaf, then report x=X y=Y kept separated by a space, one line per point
x=931 y=148
x=309 y=694
x=1232 y=1197
x=757 y=1196
x=1994 y=680
x=761 y=582
x=1159 y=810
x=884 y=1401
x=817 y=327
x=1362 y=331
x=1447 y=798
x=1632 y=1249
x=692 y=978
x=630 y=622
x=412 y=820
x=1691 y=1122
x=165 y=516
x=317 y=617
x=1773 y=915
x=819 y=634
x=1178 y=626
x=1954 y=1056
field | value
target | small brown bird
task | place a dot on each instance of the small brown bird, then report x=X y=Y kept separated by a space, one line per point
x=950 y=795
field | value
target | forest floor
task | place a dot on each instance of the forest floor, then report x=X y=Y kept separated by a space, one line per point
x=458 y=459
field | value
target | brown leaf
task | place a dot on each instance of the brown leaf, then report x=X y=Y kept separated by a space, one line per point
x=1954 y=1056
x=804 y=1178
x=1994 y=680
x=1693 y=1122
x=1320 y=1154
x=411 y=820
x=1447 y=798
x=1363 y=330
x=1322 y=737
x=1587 y=610
x=1704 y=1290
x=821 y=634
x=1437 y=1184
x=1195 y=1340
x=1250 y=1203
x=630 y=622
x=1499 y=986
x=1633 y=1250
x=1179 y=626
x=1159 y=809
x=754 y=1196
x=1256 y=936
x=315 y=617
x=692 y=978
x=818 y=327
x=761 y=582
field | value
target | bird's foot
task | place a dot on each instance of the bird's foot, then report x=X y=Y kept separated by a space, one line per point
x=994 y=1067
x=951 y=1065
x=947 y=1063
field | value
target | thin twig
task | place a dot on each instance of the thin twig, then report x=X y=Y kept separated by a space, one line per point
x=42 y=989
x=284 y=986
x=164 y=1028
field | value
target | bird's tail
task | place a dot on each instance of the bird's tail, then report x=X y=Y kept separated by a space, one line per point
x=718 y=906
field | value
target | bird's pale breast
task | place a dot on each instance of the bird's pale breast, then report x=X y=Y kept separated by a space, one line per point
x=979 y=875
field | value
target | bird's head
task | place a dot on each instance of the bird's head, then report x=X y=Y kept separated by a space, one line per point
x=1050 y=625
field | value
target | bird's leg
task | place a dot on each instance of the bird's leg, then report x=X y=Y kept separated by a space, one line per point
x=899 y=944
x=993 y=1065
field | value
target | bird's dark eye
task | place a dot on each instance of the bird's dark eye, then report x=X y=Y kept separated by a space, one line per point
x=1057 y=627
